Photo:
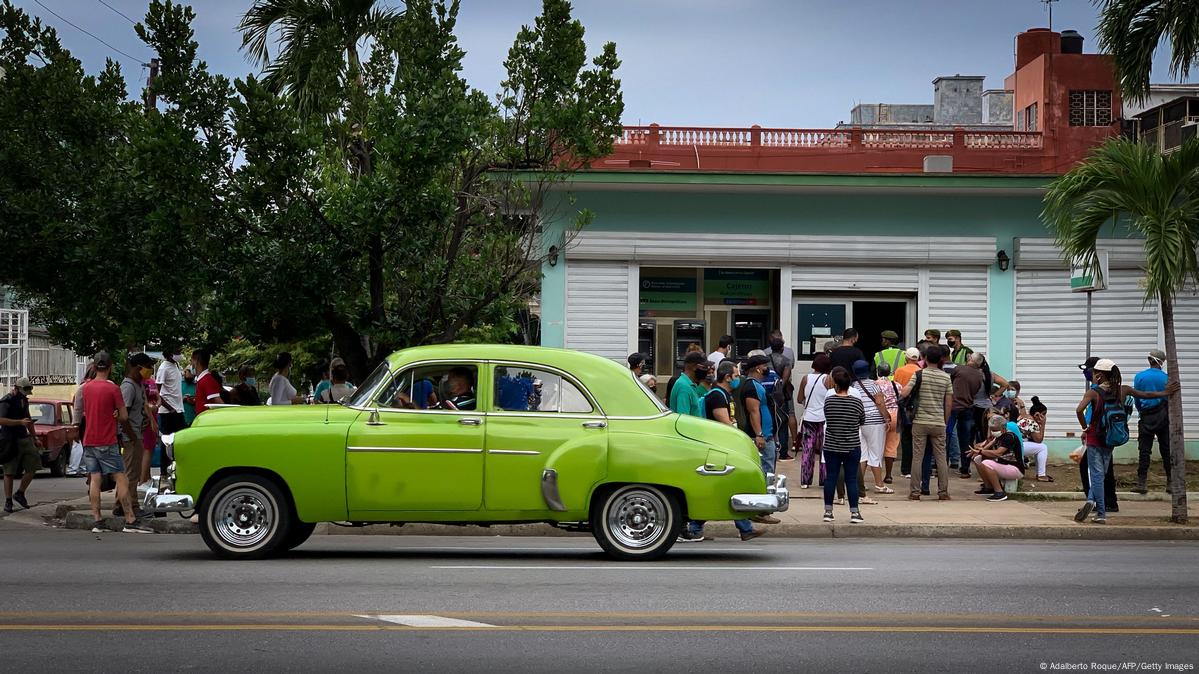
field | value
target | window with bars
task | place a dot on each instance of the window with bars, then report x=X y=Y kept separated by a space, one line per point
x=1090 y=108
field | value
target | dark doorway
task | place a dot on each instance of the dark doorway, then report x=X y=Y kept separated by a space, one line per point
x=871 y=318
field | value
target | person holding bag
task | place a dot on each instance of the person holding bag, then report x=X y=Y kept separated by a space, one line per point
x=813 y=389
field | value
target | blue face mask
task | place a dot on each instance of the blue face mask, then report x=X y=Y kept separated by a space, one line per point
x=736 y=382
x=251 y=382
x=1009 y=394
x=1086 y=375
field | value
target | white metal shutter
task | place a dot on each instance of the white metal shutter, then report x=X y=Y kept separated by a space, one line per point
x=1186 y=333
x=597 y=307
x=958 y=299
x=1051 y=337
x=842 y=278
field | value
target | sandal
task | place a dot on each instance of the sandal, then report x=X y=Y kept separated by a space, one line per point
x=867 y=500
x=883 y=490
x=1045 y=478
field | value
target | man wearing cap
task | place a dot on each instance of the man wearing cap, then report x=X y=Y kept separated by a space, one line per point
x=932 y=336
x=753 y=410
x=1154 y=420
x=684 y=396
x=16 y=426
x=902 y=376
x=890 y=354
x=104 y=408
x=960 y=351
x=133 y=392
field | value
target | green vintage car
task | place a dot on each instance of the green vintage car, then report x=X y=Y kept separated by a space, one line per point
x=467 y=434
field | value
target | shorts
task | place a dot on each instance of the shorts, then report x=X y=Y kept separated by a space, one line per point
x=27 y=460
x=105 y=459
x=1003 y=470
x=873 y=438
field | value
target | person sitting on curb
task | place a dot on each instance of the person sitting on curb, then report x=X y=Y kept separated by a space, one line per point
x=999 y=458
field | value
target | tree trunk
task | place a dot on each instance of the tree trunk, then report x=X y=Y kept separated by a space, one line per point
x=348 y=344
x=1178 y=464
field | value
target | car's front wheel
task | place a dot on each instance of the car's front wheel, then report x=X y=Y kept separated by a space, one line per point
x=636 y=522
x=245 y=517
x=59 y=467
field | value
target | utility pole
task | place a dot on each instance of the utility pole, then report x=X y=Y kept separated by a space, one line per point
x=1049 y=4
x=150 y=100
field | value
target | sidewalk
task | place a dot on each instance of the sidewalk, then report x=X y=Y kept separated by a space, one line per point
x=965 y=516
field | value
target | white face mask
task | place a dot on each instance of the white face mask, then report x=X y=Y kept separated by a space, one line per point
x=996 y=434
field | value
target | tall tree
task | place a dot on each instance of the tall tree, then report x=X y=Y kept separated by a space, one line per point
x=1124 y=183
x=1132 y=30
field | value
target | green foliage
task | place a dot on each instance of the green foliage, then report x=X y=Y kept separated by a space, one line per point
x=308 y=357
x=1157 y=195
x=358 y=191
x=1131 y=30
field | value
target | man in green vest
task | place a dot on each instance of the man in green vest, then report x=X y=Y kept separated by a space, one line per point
x=892 y=352
x=960 y=351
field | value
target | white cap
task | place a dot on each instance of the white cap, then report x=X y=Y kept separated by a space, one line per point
x=912 y=353
x=1104 y=365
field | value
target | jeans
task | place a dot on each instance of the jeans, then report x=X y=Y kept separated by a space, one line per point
x=836 y=462
x=905 y=450
x=1109 y=482
x=696 y=527
x=952 y=451
x=963 y=421
x=1099 y=460
x=768 y=455
x=783 y=437
x=1154 y=424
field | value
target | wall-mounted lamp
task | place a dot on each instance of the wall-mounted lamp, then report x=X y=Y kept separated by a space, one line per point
x=552 y=256
x=1003 y=260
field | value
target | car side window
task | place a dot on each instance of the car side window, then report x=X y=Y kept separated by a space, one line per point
x=445 y=386
x=525 y=389
x=67 y=420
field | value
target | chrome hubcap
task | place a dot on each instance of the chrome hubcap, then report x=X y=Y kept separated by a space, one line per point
x=243 y=517
x=637 y=519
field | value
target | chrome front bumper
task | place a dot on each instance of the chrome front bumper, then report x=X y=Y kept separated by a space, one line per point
x=161 y=498
x=775 y=500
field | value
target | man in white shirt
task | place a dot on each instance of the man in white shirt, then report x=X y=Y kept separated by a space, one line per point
x=722 y=351
x=170 y=392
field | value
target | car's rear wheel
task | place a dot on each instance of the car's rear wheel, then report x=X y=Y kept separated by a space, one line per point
x=59 y=467
x=300 y=531
x=636 y=522
x=245 y=517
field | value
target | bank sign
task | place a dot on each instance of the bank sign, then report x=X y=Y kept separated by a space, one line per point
x=737 y=287
x=666 y=293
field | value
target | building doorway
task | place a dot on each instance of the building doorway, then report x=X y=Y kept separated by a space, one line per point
x=821 y=319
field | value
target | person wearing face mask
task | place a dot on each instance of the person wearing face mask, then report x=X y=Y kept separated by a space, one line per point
x=684 y=395
x=813 y=389
x=998 y=458
x=1154 y=421
x=282 y=391
x=960 y=352
x=246 y=391
x=1106 y=390
x=188 y=390
x=170 y=392
x=1009 y=399
x=753 y=410
x=133 y=393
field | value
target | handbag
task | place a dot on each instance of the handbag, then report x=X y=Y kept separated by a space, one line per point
x=909 y=405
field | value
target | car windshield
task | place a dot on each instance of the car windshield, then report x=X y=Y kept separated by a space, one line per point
x=42 y=413
x=361 y=395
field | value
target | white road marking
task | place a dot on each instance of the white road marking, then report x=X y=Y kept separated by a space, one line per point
x=416 y=620
x=652 y=567
x=581 y=548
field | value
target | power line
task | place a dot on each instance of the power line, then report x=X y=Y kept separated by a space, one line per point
x=92 y=35
x=117 y=11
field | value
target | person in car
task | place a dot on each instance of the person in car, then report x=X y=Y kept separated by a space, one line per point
x=461 y=389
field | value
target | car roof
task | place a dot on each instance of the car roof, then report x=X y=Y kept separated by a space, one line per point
x=611 y=383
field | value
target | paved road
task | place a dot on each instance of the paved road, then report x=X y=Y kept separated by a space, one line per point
x=409 y=603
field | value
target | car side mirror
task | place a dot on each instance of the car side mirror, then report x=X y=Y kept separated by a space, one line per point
x=373 y=418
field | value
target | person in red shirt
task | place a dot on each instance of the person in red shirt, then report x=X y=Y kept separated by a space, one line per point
x=208 y=389
x=103 y=408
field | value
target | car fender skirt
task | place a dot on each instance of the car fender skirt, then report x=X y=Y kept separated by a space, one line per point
x=549 y=490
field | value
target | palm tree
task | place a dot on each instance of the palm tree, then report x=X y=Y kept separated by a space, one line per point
x=1155 y=196
x=1130 y=30
x=319 y=43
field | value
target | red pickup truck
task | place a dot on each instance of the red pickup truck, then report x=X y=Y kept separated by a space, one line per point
x=55 y=430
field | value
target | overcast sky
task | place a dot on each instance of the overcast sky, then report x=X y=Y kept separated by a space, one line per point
x=788 y=63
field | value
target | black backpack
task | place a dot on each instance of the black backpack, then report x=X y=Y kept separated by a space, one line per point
x=909 y=405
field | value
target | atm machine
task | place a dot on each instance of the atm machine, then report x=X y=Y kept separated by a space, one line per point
x=647 y=338
x=687 y=331
x=750 y=329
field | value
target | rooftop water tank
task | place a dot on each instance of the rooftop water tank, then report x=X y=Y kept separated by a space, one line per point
x=1071 y=42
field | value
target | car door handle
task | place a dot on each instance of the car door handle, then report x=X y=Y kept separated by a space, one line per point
x=595 y=424
x=470 y=421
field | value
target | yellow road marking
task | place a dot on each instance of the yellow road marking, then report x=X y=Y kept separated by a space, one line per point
x=1127 y=631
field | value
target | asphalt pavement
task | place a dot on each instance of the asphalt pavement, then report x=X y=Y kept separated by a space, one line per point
x=77 y=601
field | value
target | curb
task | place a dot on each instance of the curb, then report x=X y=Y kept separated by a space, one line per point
x=175 y=525
x=1159 y=497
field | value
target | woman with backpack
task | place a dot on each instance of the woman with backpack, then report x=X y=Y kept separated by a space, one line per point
x=812 y=390
x=1103 y=414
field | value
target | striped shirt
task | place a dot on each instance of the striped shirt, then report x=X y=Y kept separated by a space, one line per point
x=864 y=390
x=843 y=416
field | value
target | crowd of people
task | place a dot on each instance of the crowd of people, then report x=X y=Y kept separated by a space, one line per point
x=121 y=424
x=936 y=408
